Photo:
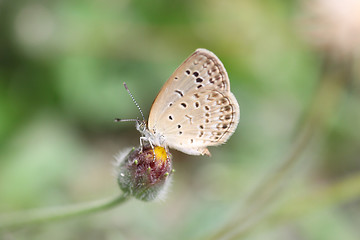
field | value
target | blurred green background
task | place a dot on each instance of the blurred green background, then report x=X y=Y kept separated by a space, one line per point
x=62 y=65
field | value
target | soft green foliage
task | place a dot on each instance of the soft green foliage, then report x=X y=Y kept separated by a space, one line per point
x=62 y=65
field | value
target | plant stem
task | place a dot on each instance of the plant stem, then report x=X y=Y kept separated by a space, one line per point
x=36 y=216
x=316 y=200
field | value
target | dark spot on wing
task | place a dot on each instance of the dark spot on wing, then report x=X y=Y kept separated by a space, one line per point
x=179 y=92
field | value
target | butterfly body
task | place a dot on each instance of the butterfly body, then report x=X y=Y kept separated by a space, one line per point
x=195 y=108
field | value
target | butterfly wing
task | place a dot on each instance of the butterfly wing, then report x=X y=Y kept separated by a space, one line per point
x=201 y=69
x=195 y=108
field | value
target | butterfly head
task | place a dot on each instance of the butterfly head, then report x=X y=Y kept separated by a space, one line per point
x=149 y=135
x=141 y=126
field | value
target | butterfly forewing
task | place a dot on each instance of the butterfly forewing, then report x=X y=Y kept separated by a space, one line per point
x=195 y=108
x=199 y=70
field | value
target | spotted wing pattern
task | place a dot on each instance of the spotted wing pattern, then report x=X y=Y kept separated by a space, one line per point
x=195 y=108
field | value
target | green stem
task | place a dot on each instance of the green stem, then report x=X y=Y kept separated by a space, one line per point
x=316 y=200
x=35 y=216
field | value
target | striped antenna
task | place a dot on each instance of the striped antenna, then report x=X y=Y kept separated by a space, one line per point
x=137 y=105
x=125 y=120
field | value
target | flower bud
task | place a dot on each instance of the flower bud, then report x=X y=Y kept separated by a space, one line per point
x=143 y=176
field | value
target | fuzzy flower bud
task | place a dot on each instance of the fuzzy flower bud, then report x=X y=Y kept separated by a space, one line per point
x=143 y=176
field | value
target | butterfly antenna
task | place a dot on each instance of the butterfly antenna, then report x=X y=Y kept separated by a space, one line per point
x=137 y=105
x=125 y=120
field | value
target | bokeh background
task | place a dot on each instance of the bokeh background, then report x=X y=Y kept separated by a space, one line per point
x=62 y=65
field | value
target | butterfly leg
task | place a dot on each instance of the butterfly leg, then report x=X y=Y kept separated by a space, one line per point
x=141 y=143
x=151 y=145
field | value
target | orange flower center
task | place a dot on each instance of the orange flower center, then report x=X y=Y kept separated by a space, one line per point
x=160 y=154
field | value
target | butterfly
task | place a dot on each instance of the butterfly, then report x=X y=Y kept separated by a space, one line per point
x=194 y=109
